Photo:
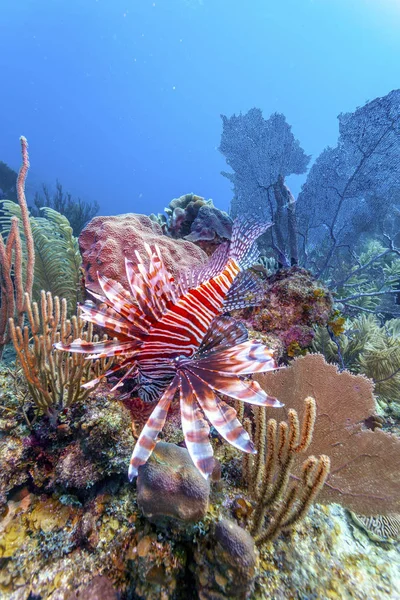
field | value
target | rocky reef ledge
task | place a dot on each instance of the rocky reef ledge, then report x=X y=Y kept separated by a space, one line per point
x=72 y=527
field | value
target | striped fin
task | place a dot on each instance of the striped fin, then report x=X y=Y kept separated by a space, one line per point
x=114 y=325
x=119 y=300
x=195 y=429
x=142 y=293
x=213 y=267
x=153 y=287
x=164 y=282
x=244 y=359
x=150 y=387
x=244 y=233
x=93 y=382
x=231 y=385
x=148 y=437
x=131 y=372
x=220 y=415
x=247 y=290
x=97 y=349
x=224 y=332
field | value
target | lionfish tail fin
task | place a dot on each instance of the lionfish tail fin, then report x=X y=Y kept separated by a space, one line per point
x=244 y=234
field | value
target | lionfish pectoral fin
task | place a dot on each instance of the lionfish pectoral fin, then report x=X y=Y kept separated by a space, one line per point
x=195 y=430
x=93 y=382
x=220 y=415
x=148 y=437
x=246 y=358
x=223 y=333
x=233 y=386
x=247 y=290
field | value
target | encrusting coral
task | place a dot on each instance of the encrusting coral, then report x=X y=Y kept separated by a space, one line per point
x=294 y=303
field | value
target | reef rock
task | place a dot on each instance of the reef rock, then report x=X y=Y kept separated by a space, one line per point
x=100 y=588
x=226 y=562
x=196 y=219
x=106 y=241
x=75 y=470
x=169 y=485
x=294 y=302
x=211 y=227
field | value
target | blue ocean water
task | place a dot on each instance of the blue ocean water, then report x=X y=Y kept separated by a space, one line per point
x=121 y=100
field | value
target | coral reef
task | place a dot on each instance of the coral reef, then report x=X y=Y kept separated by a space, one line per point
x=226 y=561
x=371 y=285
x=57 y=259
x=364 y=473
x=76 y=529
x=193 y=218
x=351 y=191
x=90 y=442
x=169 y=485
x=54 y=380
x=344 y=225
x=323 y=559
x=293 y=304
x=276 y=490
x=71 y=526
x=106 y=241
x=368 y=347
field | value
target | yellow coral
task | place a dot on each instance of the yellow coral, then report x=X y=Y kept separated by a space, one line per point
x=337 y=325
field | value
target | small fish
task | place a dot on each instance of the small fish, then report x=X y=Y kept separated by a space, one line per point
x=173 y=338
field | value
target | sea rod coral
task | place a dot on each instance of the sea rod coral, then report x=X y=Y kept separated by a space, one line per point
x=54 y=380
x=171 y=337
x=13 y=284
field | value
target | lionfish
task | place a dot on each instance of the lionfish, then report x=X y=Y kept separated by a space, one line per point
x=172 y=337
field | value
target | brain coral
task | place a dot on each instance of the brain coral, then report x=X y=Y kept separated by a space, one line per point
x=106 y=241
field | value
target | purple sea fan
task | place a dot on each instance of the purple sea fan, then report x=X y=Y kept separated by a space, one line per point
x=172 y=338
